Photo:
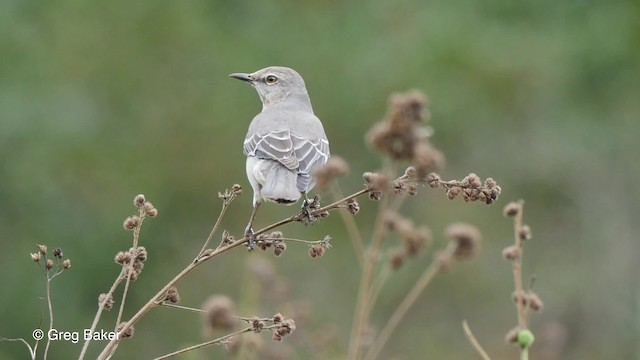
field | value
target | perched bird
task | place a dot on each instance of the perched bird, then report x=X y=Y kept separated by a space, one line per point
x=285 y=142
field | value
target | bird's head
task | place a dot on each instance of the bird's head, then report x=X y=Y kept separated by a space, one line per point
x=275 y=84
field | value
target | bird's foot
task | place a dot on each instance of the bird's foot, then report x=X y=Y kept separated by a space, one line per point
x=308 y=205
x=251 y=238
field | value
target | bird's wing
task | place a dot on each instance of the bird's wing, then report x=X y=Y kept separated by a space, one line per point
x=310 y=152
x=274 y=145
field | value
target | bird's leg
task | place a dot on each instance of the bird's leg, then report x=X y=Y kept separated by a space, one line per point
x=248 y=231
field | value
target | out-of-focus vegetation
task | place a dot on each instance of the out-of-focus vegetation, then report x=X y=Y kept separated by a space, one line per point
x=101 y=100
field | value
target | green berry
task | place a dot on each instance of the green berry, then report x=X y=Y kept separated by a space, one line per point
x=525 y=338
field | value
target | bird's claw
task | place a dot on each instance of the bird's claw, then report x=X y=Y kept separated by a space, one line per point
x=251 y=238
x=308 y=205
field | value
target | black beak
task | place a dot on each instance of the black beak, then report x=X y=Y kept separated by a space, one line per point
x=242 y=76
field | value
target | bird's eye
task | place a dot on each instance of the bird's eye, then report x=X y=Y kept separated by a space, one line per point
x=271 y=79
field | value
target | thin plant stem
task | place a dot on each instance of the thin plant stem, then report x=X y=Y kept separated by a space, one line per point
x=124 y=295
x=99 y=313
x=46 y=349
x=180 y=307
x=32 y=350
x=364 y=292
x=517 y=268
x=204 y=344
x=225 y=206
x=405 y=305
x=472 y=339
x=524 y=354
x=352 y=228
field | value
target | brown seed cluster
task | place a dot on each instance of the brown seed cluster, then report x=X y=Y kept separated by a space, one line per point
x=376 y=184
x=219 y=312
x=229 y=194
x=49 y=264
x=466 y=238
x=128 y=333
x=227 y=238
x=528 y=299
x=334 y=168
x=131 y=222
x=106 y=301
x=172 y=295
x=147 y=208
x=133 y=261
x=284 y=327
x=318 y=248
x=471 y=188
x=274 y=239
x=401 y=135
x=352 y=206
x=414 y=239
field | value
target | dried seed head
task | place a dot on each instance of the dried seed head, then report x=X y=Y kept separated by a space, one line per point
x=417 y=240
x=139 y=253
x=279 y=248
x=352 y=206
x=511 y=209
x=237 y=189
x=399 y=132
x=376 y=182
x=396 y=259
x=57 y=252
x=256 y=324
x=277 y=318
x=535 y=303
x=466 y=238
x=524 y=232
x=106 y=301
x=127 y=333
x=49 y=264
x=412 y=189
x=287 y=326
x=219 y=312
x=398 y=186
x=150 y=210
x=139 y=201
x=131 y=222
x=511 y=253
x=453 y=191
x=227 y=238
x=36 y=256
x=316 y=251
x=520 y=297
x=375 y=195
x=489 y=183
x=122 y=257
x=473 y=181
x=276 y=235
x=172 y=295
x=66 y=263
x=326 y=174
x=410 y=173
x=43 y=249
x=433 y=180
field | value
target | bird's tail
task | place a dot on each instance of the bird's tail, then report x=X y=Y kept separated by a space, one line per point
x=280 y=185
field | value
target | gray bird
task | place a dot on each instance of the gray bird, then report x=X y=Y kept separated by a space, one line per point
x=285 y=142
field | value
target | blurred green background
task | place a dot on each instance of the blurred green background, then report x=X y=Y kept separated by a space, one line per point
x=102 y=100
